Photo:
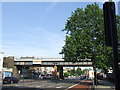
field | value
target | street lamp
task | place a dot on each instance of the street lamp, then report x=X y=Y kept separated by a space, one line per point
x=94 y=62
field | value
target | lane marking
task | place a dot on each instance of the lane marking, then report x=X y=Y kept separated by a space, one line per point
x=59 y=87
x=71 y=86
x=40 y=85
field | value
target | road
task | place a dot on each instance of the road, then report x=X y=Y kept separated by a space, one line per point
x=44 y=84
x=38 y=85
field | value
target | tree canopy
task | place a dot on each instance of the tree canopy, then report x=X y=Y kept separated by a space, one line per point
x=85 y=36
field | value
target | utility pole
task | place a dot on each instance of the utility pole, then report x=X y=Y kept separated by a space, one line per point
x=111 y=37
x=94 y=62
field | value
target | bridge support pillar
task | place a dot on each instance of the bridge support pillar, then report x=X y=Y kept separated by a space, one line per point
x=60 y=70
x=17 y=71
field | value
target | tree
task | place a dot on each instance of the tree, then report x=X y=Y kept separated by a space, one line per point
x=85 y=37
x=71 y=72
x=118 y=29
x=66 y=74
x=79 y=71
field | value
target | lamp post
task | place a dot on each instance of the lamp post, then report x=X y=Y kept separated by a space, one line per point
x=94 y=62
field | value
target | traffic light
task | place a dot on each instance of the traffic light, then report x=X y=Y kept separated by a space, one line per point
x=109 y=21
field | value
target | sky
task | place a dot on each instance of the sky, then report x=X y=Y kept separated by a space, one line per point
x=35 y=28
x=119 y=7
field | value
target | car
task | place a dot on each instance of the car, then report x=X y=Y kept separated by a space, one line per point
x=82 y=77
x=47 y=76
x=41 y=75
x=10 y=80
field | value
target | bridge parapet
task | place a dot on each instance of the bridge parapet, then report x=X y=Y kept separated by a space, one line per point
x=54 y=63
x=50 y=62
x=46 y=59
x=42 y=59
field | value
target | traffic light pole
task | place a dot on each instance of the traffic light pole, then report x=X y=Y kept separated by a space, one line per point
x=115 y=57
x=111 y=37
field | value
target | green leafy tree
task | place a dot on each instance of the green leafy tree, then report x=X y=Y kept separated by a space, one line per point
x=71 y=72
x=79 y=71
x=66 y=74
x=85 y=37
x=118 y=29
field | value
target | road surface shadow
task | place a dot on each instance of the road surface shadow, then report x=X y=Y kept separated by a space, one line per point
x=19 y=88
x=71 y=81
x=26 y=88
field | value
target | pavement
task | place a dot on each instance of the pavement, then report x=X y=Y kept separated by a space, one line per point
x=104 y=84
x=88 y=85
x=82 y=85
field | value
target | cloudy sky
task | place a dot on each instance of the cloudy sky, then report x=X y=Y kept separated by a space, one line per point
x=34 y=28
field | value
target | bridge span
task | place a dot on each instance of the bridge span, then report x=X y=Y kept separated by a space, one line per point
x=48 y=62
x=21 y=63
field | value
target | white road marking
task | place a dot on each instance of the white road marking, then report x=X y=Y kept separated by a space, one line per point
x=71 y=86
x=40 y=86
x=59 y=87
x=17 y=85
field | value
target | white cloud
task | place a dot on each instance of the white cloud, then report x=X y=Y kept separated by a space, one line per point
x=38 y=42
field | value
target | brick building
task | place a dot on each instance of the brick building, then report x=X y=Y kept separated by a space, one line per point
x=8 y=67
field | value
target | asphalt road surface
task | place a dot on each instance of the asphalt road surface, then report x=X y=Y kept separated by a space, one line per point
x=39 y=85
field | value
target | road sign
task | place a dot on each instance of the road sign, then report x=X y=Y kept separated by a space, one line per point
x=37 y=62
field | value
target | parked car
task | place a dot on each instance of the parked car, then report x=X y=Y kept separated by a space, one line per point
x=82 y=77
x=47 y=76
x=41 y=76
x=10 y=80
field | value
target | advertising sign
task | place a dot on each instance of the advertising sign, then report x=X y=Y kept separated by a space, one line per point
x=91 y=74
x=55 y=69
x=37 y=62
